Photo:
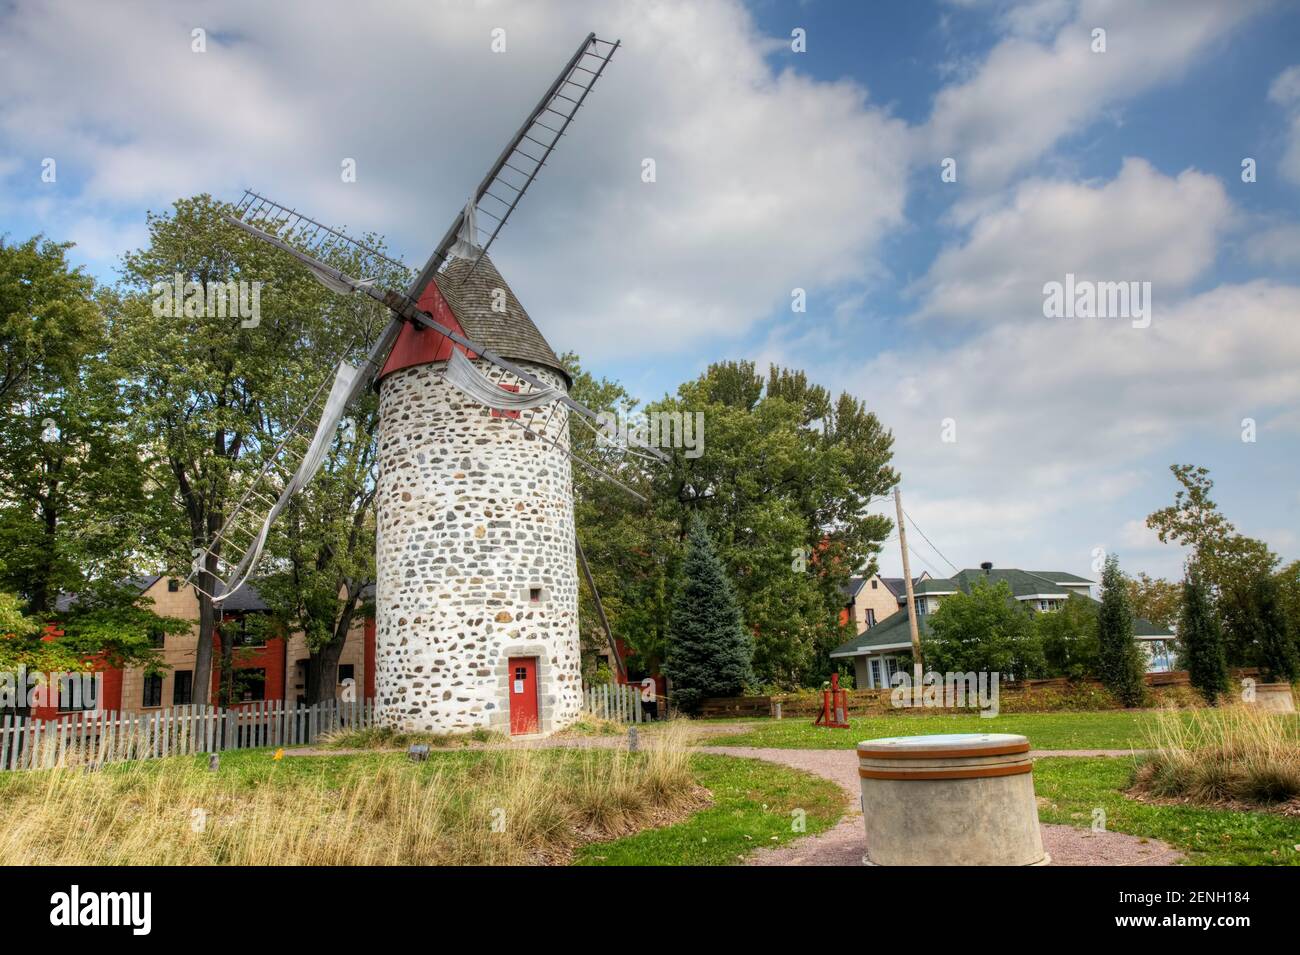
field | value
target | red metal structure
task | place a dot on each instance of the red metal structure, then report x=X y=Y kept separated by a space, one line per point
x=835 y=707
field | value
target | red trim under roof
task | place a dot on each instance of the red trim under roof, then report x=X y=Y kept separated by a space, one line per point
x=419 y=345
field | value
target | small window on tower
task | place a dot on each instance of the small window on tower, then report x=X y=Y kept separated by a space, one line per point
x=535 y=595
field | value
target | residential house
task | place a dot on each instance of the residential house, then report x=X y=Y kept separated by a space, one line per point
x=266 y=667
x=869 y=600
x=876 y=650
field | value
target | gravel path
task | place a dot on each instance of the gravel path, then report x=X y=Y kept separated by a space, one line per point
x=846 y=844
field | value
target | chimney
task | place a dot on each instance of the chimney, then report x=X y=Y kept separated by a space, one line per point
x=986 y=567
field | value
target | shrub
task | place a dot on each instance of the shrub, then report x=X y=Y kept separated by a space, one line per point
x=1210 y=756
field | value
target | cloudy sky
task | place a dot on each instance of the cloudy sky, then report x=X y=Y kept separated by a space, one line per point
x=778 y=170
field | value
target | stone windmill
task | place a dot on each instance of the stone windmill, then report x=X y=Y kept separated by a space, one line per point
x=477 y=555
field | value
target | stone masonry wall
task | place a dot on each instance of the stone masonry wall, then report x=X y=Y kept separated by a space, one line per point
x=474 y=516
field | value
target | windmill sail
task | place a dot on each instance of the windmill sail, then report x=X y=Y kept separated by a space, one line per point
x=311 y=242
x=335 y=405
x=524 y=156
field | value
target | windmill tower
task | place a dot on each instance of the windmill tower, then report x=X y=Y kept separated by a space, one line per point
x=477 y=587
x=477 y=555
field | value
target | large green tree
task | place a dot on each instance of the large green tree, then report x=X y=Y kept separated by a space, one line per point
x=1119 y=660
x=784 y=483
x=210 y=394
x=985 y=630
x=709 y=652
x=1069 y=638
x=1256 y=630
x=71 y=495
x=782 y=477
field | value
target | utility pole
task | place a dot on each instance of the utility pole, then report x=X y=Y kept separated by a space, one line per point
x=907 y=581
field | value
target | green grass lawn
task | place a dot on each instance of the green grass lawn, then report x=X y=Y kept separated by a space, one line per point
x=753 y=802
x=1102 y=729
x=1069 y=789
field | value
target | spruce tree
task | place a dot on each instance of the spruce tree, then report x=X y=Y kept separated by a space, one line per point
x=1200 y=640
x=1119 y=661
x=709 y=652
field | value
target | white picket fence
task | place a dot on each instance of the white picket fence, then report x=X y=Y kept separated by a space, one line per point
x=619 y=702
x=93 y=738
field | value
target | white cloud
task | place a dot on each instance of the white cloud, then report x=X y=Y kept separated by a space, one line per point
x=1276 y=246
x=1029 y=95
x=766 y=180
x=1141 y=226
x=1285 y=91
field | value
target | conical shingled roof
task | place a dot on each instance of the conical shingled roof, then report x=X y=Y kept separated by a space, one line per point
x=470 y=292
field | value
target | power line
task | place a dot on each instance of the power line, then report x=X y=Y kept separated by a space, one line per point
x=930 y=542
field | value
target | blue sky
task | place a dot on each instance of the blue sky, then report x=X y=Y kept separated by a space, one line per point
x=775 y=170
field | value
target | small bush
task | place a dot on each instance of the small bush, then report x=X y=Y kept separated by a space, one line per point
x=1215 y=756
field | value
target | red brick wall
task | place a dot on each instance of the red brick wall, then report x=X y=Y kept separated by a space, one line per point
x=269 y=658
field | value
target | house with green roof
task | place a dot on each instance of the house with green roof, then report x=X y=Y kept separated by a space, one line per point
x=877 y=648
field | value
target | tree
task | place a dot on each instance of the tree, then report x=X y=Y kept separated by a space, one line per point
x=1200 y=640
x=1154 y=599
x=1224 y=557
x=1069 y=638
x=1119 y=661
x=783 y=484
x=212 y=393
x=983 y=631
x=70 y=490
x=782 y=479
x=1255 y=629
x=709 y=652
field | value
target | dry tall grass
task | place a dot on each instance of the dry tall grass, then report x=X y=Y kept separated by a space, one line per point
x=507 y=807
x=1233 y=753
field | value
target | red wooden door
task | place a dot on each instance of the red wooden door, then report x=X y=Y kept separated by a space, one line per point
x=523 y=695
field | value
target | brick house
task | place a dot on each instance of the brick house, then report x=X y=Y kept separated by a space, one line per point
x=266 y=668
x=876 y=650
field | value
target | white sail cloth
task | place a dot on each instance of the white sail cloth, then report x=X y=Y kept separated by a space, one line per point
x=462 y=374
x=335 y=405
x=466 y=244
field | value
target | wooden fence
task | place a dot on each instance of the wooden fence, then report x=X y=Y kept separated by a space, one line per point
x=618 y=702
x=102 y=737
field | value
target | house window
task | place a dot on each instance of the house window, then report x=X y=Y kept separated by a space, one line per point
x=157 y=636
x=241 y=634
x=920 y=608
x=250 y=685
x=152 y=690
x=534 y=595
x=891 y=667
x=345 y=672
x=173 y=585
x=183 y=688
x=874 y=583
x=874 y=665
x=871 y=618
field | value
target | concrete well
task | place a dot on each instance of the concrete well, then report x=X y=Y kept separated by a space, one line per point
x=958 y=799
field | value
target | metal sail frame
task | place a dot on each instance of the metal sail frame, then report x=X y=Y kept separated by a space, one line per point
x=313 y=241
